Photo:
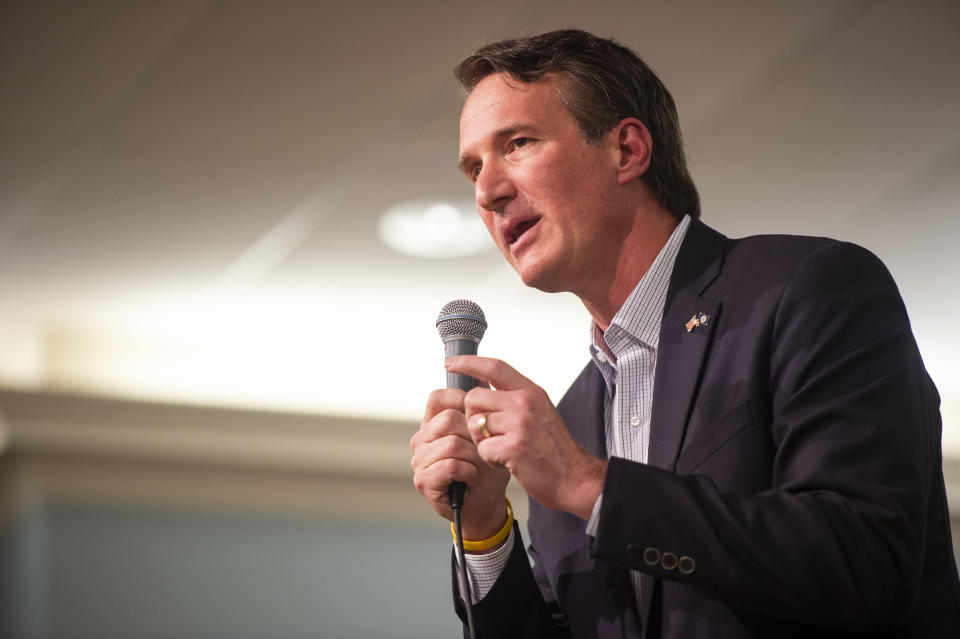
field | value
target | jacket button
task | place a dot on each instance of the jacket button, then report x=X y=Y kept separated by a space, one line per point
x=686 y=565
x=651 y=556
x=668 y=561
x=635 y=552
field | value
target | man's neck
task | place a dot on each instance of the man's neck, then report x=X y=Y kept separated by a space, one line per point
x=637 y=252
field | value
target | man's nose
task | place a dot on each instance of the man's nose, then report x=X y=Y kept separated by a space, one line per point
x=494 y=188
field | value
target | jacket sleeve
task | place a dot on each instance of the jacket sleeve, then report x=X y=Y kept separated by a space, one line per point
x=515 y=607
x=852 y=418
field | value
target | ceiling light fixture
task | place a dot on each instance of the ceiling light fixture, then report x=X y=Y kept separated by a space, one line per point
x=434 y=228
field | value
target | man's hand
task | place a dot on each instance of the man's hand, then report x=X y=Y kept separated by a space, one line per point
x=528 y=437
x=443 y=452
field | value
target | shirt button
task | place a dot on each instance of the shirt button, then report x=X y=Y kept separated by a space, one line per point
x=634 y=421
x=601 y=356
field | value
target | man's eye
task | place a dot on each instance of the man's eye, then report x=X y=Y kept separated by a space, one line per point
x=475 y=173
x=521 y=142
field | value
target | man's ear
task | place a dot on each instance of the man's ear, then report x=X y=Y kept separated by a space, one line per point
x=634 y=148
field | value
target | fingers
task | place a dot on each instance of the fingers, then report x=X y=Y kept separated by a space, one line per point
x=441 y=461
x=443 y=452
x=480 y=426
x=495 y=372
x=483 y=436
x=443 y=399
x=491 y=413
x=498 y=448
x=443 y=416
x=496 y=434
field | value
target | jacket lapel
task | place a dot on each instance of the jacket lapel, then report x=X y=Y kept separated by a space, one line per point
x=685 y=336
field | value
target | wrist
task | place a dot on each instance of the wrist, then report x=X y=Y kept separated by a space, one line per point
x=484 y=516
x=590 y=489
x=491 y=542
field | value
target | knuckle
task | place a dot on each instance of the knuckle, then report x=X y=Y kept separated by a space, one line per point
x=449 y=467
x=450 y=418
x=447 y=447
x=435 y=424
x=441 y=399
x=440 y=419
x=470 y=400
x=433 y=400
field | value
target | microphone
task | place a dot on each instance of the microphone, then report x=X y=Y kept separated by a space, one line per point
x=461 y=325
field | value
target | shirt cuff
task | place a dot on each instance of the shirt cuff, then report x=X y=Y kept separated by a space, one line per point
x=484 y=570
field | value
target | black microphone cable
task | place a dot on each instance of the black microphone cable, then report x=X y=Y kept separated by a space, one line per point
x=455 y=493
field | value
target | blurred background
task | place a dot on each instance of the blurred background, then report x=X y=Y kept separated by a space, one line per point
x=226 y=228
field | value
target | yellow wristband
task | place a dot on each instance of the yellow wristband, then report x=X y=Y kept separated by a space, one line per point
x=487 y=544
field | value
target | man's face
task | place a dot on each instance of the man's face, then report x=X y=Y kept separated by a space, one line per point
x=547 y=197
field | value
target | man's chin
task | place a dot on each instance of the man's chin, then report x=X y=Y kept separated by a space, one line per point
x=542 y=279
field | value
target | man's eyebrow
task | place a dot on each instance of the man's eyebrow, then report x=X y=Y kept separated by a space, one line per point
x=504 y=132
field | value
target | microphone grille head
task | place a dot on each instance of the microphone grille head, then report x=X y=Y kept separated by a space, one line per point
x=461 y=319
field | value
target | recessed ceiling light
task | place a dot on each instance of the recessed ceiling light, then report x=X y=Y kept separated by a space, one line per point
x=434 y=228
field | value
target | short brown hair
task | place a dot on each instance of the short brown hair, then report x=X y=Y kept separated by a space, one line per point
x=602 y=83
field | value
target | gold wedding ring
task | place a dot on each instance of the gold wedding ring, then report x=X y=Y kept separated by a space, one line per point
x=482 y=423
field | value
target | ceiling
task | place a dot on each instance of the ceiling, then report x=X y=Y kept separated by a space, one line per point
x=189 y=191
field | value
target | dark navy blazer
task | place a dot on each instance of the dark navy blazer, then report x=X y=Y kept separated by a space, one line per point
x=794 y=483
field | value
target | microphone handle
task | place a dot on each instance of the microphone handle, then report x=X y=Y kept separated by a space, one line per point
x=452 y=348
x=455 y=347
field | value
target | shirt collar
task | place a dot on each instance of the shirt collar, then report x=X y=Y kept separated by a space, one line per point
x=638 y=320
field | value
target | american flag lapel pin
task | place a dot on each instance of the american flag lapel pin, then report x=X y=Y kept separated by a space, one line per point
x=698 y=319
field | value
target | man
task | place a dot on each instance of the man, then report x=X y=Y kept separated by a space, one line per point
x=754 y=450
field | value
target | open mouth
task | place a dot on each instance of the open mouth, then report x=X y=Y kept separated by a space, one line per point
x=516 y=231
